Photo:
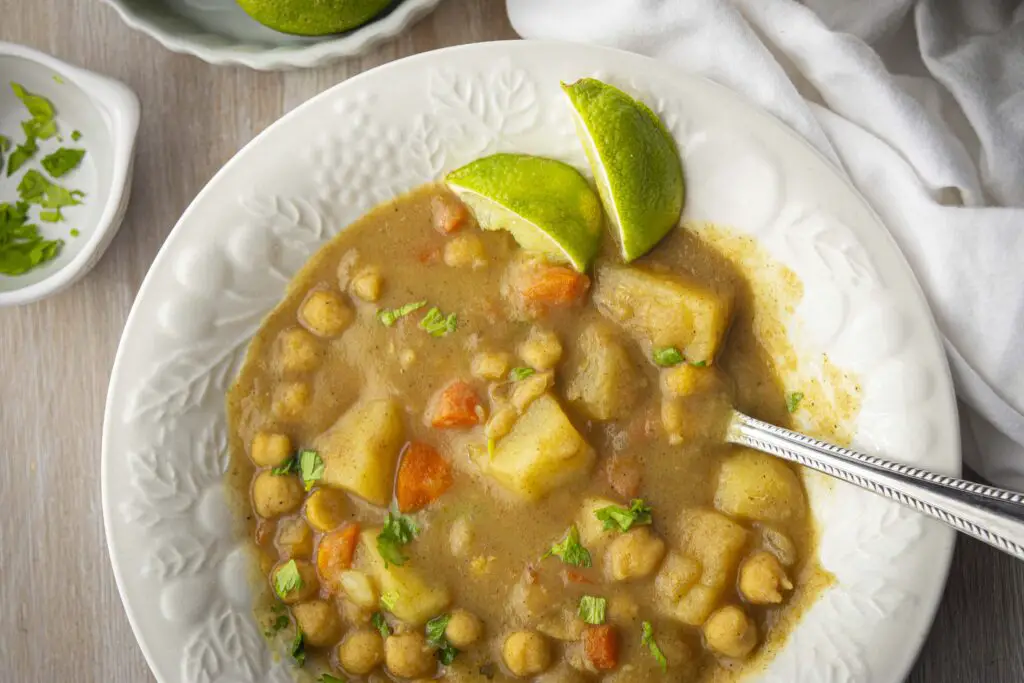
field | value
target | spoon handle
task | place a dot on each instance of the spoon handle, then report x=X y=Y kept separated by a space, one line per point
x=995 y=516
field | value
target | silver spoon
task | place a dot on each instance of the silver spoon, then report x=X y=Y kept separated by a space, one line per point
x=992 y=515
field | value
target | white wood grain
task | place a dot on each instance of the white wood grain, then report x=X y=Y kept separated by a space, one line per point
x=60 y=615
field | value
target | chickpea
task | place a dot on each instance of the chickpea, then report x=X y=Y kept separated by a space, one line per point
x=297 y=351
x=464 y=628
x=325 y=313
x=634 y=554
x=361 y=652
x=326 y=509
x=308 y=587
x=541 y=350
x=407 y=655
x=730 y=632
x=319 y=622
x=526 y=653
x=274 y=494
x=270 y=450
x=490 y=365
x=762 y=579
x=465 y=251
x=290 y=399
x=366 y=284
x=294 y=538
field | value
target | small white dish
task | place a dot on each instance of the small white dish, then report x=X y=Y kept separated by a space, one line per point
x=106 y=113
x=220 y=32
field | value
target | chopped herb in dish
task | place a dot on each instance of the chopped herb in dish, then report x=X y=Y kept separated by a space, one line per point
x=436 y=324
x=34 y=188
x=388 y=600
x=389 y=316
x=279 y=623
x=398 y=530
x=592 y=609
x=311 y=467
x=42 y=125
x=76 y=135
x=63 y=161
x=20 y=155
x=793 y=401
x=615 y=517
x=328 y=678
x=668 y=356
x=570 y=550
x=22 y=248
x=380 y=624
x=287 y=579
x=516 y=374
x=647 y=640
x=298 y=648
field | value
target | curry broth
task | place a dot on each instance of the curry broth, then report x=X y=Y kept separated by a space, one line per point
x=510 y=536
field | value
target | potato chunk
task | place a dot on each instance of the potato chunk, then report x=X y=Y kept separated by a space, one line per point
x=602 y=381
x=541 y=453
x=690 y=584
x=756 y=486
x=665 y=310
x=414 y=598
x=360 y=450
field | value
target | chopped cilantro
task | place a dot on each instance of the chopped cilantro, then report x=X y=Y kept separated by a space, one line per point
x=700 y=364
x=22 y=248
x=38 y=129
x=5 y=144
x=287 y=579
x=516 y=374
x=289 y=466
x=668 y=356
x=63 y=161
x=437 y=324
x=34 y=188
x=389 y=316
x=570 y=550
x=622 y=518
x=298 y=649
x=793 y=401
x=74 y=232
x=592 y=609
x=42 y=124
x=328 y=678
x=388 y=600
x=647 y=639
x=57 y=79
x=446 y=652
x=398 y=531
x=76 y=135
x=311 y=467
x=279 y=624
x=380 y=624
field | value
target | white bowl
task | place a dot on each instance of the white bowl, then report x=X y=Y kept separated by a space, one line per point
x=106 y=112
x=220 y=32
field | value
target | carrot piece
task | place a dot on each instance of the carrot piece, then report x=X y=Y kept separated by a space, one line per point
x=454 y=406
x=429 y=256
x=449 y=214
x=573 y=576
x=601 y=645
x=335 y=552
x=422 y=477
x=554 y=286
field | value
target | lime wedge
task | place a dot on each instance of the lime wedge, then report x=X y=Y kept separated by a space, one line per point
x=635 y=163
x=546 y=205
x=313 y=17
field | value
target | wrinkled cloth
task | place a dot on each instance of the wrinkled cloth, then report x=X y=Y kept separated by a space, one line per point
x=921 y=103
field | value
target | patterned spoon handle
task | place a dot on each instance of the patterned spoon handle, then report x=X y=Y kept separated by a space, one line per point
x=992 y=515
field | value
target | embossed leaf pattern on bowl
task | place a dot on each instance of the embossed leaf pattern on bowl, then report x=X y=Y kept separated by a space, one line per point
x=169 y=416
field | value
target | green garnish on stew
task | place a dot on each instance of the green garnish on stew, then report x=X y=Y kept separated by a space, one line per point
x=437 y=324
x=700 y=364
x=287 y=579
x=22 y=248
x=389 y=316
x=63 y=161
x=34 y=188
x=793 y=401
x=380 y=624
x=388 y=600
x=647 y=639
x=592 y=609
x=328 y=678
x=668 y=356
x=570 y=550
x=446 y=652
x=311 y=467
x=298 y=649
x=616 y=517
x=516 y=374
x=398 y=530
x=279 y=624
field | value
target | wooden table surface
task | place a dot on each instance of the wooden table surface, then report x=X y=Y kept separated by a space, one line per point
x=60 y=615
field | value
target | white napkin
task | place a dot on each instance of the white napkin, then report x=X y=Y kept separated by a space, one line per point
x=932 y=135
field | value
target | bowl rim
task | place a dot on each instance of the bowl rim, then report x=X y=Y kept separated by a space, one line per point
x=122 y=110
x=261 y=58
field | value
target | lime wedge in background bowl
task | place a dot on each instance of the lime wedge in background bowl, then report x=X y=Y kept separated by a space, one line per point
x=313 y=17
x=635 y=162
x=546 y=204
